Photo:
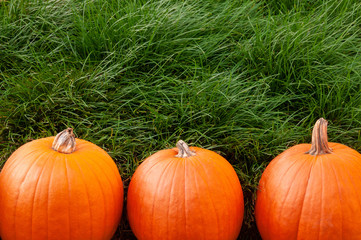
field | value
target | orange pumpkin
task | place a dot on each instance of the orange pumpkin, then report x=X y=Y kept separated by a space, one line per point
x=60 y=188
x=185 y=193
x=311 y=192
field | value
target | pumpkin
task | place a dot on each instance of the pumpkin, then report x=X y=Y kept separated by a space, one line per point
x=311 y=191
x=185 y=193
x=60 y=188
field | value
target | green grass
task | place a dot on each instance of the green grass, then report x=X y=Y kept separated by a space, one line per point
x=247 y=79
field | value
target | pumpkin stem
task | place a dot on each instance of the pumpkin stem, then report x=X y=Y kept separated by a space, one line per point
x=64 y=141
x=183 y=150
x=319 y=139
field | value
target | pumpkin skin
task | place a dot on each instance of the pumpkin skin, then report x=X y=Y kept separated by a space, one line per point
x=178 y=198
x=303 y=196
x=46 y=194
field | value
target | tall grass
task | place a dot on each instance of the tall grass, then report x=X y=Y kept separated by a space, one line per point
x=246 y=79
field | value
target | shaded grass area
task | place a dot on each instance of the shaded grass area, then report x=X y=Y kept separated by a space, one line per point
x=246 y=79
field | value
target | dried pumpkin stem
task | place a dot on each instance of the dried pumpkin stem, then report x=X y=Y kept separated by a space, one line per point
x=64 y=141
x=319 y=139
x=184 y=150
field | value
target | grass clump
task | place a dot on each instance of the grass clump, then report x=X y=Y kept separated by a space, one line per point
x=247 y=79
